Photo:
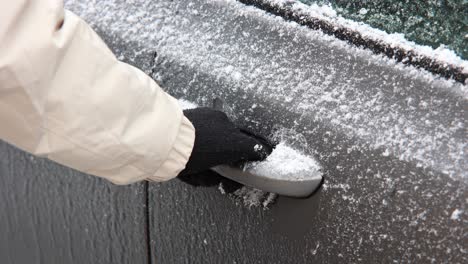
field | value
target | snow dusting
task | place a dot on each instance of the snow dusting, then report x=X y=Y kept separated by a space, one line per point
x=251 y=197
x=456 y=214
x=391 y=139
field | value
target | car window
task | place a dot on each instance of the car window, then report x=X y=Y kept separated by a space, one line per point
x=426 y=22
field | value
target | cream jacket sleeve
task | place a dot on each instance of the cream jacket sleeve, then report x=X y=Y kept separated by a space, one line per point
x=65 y=96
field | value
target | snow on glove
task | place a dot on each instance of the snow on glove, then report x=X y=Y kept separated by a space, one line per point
x=219 y=141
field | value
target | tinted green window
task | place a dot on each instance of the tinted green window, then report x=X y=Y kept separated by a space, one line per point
x=426 y=22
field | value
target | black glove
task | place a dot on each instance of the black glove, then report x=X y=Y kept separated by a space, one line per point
x=218 y=141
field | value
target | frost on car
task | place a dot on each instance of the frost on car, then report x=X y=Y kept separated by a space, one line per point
x=387 y=126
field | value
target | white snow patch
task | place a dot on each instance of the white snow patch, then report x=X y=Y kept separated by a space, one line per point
x=367 y=114
x=187 y=104
x=270 y=199
x=456 y=214
x=286 y=163
x=314 y=252
x=221 y=188
x=251 y=197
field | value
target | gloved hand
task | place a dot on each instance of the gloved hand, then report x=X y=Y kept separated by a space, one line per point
x=218 y=141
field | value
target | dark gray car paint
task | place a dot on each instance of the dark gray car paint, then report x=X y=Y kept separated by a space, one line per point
x=374 y=207
x=51 y=214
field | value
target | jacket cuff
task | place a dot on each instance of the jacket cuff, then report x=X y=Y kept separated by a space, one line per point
x=179 y=154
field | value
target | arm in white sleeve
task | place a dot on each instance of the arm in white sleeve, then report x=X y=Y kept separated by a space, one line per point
x=64 y=95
